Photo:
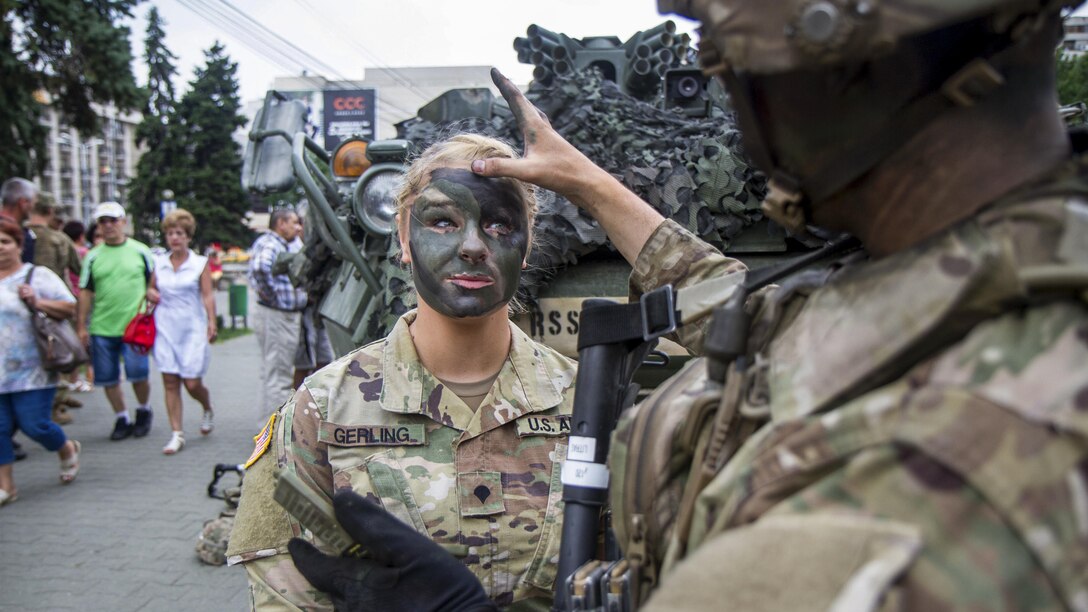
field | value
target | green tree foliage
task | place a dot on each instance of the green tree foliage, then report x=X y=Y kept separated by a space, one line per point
x=153 y=169
x=72 y=49
x=1072 y=79
x=206 y=179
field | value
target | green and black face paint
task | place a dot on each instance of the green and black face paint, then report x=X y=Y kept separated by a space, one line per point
x=468 y=237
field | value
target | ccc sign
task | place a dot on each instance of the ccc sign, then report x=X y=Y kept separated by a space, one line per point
x=349 y=103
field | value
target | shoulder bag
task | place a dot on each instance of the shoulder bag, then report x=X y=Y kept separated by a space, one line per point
x=58 y=343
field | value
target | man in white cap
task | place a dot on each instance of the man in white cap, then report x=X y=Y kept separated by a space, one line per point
x=114 y=281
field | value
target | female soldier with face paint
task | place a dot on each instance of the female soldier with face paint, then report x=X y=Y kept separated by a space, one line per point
x=455 y=423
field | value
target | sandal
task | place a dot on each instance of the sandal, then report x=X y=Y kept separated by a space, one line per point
x=6 y=498
x=207 y=423
x=176 y=443
x=69 y=467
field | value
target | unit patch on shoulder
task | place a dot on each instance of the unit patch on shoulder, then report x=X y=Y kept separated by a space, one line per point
x=544 y=425
x=261 y=442
x=406 y=434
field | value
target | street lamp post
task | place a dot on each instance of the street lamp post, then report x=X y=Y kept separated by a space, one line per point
x=167 y=204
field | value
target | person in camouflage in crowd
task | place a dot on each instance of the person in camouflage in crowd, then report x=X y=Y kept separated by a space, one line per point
x=456 y=423
x=917 y=415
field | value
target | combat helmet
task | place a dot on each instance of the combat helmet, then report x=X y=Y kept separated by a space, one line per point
x=826 y=89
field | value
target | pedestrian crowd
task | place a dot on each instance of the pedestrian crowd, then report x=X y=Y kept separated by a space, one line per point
x=99 y=279
x=96 y=280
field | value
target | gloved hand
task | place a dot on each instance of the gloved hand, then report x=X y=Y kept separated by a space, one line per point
x=405 y=571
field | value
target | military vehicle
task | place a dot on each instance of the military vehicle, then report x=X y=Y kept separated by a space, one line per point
x=638 y=108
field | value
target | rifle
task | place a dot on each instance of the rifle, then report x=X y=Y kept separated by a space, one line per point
x=613 y=341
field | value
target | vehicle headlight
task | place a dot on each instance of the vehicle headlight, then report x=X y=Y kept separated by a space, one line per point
x=375 y=197
x=350 y=159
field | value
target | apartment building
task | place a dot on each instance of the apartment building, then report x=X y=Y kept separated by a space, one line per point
x=83 y=171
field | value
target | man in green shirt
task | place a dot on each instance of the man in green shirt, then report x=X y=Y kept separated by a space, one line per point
x=114 y=281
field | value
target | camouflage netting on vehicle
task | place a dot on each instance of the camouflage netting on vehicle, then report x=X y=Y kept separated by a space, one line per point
x=691 y=170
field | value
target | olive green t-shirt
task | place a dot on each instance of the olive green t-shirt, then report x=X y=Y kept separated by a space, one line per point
x=118 y=276
x=471 y=393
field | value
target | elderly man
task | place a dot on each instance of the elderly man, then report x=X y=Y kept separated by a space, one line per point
x=278 y=314
x=114 y=281
x=19 y=197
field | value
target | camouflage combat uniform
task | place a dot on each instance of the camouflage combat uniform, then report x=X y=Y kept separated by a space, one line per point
x=921 y=426
x=484 y=484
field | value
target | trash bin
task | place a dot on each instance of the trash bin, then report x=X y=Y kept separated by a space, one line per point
x=239 y=305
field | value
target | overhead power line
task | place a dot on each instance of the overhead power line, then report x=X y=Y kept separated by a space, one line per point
x=270 y=46
x=315 y=61
x=351 y=39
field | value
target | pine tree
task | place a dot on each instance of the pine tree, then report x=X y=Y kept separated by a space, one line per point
x=70 y=49
x=1072 y=79
x=154 y=168
x=207 y=178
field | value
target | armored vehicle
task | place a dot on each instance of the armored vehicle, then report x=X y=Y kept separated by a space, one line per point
x=638 y=108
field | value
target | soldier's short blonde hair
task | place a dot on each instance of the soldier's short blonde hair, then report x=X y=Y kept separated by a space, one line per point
x=179 y=218
x=459 y=150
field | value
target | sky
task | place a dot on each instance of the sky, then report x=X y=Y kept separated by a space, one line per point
x=351 y=35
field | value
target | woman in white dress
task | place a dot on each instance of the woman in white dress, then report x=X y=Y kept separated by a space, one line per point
x=184 y=323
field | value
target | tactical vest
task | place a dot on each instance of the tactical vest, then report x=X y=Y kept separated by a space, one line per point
x=1027 y=256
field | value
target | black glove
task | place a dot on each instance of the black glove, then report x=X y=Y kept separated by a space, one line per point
x=405 y=570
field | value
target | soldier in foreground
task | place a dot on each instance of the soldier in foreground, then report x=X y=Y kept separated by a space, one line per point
x=456 y=422
x=907 y=430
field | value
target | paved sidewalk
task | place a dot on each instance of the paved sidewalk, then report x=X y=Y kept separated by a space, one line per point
x=122 y=536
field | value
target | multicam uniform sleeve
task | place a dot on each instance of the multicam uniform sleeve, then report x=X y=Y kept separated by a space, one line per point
x=962 y=485
x=274 y=581
x=675 y=256
x=891 y=529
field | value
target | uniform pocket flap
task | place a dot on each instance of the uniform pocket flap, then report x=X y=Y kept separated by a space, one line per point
x=480 y=493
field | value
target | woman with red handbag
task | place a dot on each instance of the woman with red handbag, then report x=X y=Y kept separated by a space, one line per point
x=184 y=324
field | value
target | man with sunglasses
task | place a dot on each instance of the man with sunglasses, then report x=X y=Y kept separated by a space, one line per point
x=113 y=283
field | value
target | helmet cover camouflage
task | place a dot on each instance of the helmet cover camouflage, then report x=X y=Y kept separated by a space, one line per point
x=769 y=37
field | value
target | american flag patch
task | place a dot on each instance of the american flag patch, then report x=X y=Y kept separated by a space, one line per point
x=260 y=442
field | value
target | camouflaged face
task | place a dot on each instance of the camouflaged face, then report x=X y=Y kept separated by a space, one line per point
x=484 y=484
x=691 y=170
x=941 y=390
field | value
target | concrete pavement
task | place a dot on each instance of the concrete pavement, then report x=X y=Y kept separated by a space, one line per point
x=122 y=536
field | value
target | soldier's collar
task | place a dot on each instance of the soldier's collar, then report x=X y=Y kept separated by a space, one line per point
x=529 y=384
